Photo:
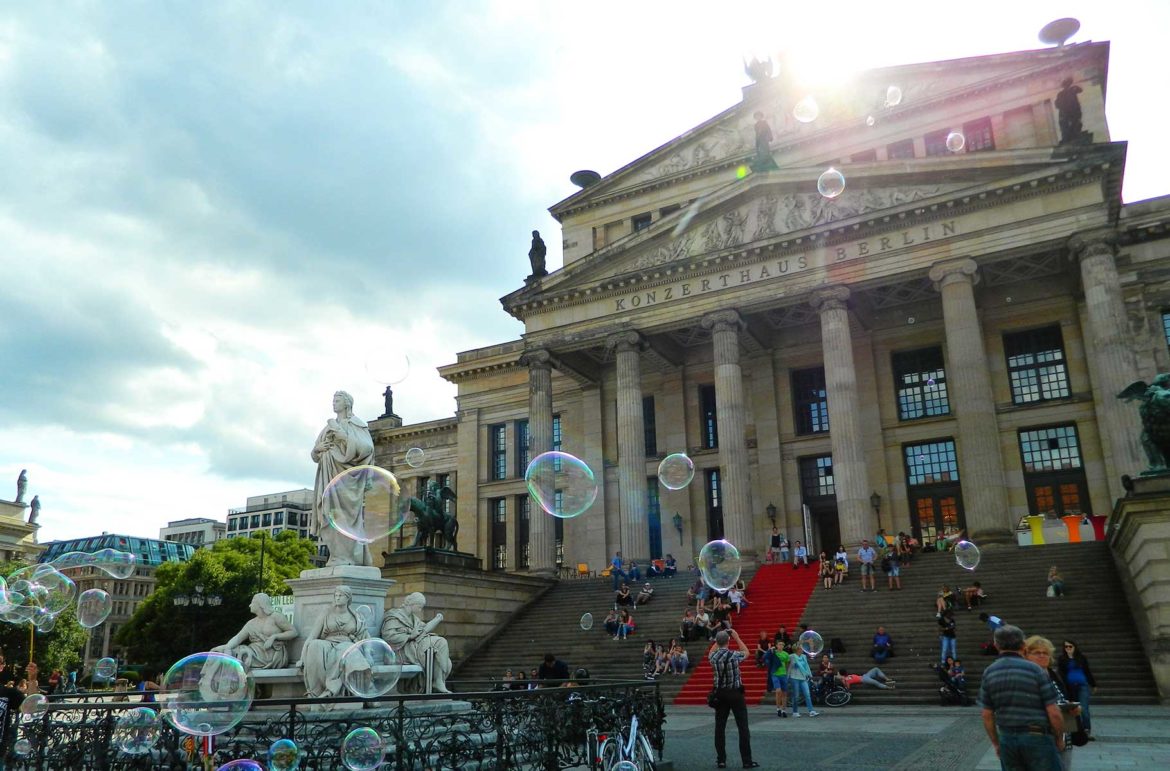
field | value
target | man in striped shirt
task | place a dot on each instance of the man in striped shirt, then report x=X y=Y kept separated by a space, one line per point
x=1020 y=713
x=729 y=698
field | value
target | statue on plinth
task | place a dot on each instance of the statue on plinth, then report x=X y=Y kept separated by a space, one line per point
x=338 y=628
x=406 y=632
x=763 y=160
x=1068 y=109
x=536 y=256
x=34 y=510
x=263 y=642
x=435 y=526
x=21 y=485
x=1154 y=409
x=343 y=444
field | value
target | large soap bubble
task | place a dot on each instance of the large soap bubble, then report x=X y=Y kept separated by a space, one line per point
x=136 y=731
x=242 y=764
x=379 y=494
x=967 y=555
x=105 y=669
x=34 y=704
x=284 y=755
x=806 y=110
x=676 y=471
x=370 y=668
x=561 y=484
x=811 y=643
x=415 y=457
x=206 y=694
x=362 y=750
x=831 y=183
x=956 y=141
x=720 y=565
x=116 y=563
x=388 y=368
x=93 y=607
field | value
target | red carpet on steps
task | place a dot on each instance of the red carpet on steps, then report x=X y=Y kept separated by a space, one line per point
x=777 y=596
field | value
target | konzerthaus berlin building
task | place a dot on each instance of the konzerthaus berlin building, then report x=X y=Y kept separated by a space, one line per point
x=937 y=349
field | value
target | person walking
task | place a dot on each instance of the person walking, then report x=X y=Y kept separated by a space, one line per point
x=1020 y=711
x=799 y=673
x=867 y=555
x=729 y=698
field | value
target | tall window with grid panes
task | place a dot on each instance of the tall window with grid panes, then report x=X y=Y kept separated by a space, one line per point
x=654 y=517
x=1053 y=473
x=498 y=444
x=498 y=508
x=810 y=399
x=1036 y=366
x=818 y=491
x=932 y=487
x=523 y=522
x=713 y=491
x=920 y=383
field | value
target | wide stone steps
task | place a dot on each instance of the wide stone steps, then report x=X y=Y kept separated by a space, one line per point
x=1093 y=613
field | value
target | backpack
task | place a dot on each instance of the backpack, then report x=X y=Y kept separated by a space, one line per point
x=837 y=645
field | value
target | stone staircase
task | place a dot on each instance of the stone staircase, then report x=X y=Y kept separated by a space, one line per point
x=552 y=625
x=1093 y=613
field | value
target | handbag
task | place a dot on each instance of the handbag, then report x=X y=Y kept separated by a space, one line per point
x=712 y=699
x=1051 y=591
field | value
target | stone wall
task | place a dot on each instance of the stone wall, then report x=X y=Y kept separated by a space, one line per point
x=1140 y=538
x=475 y=604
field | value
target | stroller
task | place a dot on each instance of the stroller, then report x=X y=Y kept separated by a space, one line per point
x=950 y=694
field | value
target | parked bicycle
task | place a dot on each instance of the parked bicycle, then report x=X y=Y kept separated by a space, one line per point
x=835 y=695
x=626 y=746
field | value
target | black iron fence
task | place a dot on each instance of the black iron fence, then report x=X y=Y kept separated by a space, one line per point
x=545 y=728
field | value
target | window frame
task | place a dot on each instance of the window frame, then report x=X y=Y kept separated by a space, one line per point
x=1038 y=347
x=920 y=362
x=810 y=414
x=498 y=451
x=708 y=417
x=649 y=426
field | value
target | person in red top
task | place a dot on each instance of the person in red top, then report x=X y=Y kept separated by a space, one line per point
x=874 y=677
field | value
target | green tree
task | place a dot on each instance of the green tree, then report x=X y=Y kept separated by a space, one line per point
x=160 y=633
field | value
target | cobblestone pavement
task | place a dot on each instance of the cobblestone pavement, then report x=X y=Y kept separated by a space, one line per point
x=920 y=737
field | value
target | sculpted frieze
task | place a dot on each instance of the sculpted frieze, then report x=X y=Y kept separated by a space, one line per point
x=773 y=215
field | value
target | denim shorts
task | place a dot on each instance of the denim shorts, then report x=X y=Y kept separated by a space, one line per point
x=895 y=570
x=779 y=682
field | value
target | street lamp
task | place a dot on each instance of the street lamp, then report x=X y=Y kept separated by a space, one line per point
x=678 y=523
x=196 y=599
x=875 y=500
x=771 y=509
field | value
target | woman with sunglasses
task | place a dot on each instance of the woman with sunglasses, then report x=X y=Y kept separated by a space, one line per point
x=1074 y=668
x=1039 y=651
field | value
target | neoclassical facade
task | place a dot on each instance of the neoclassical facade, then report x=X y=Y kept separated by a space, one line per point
x=936 y=349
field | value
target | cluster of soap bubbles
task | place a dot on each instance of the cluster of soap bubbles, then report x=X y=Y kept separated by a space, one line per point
x=362 y=750
x=810 y=643
x=720 y=565
x=967 y=555
x=38 y=594
x=561 y=484
x=206 y=694
x=376 y=492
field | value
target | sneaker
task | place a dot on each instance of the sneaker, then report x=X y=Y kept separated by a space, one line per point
x=779 y=713
x=796 y=714
x=783 y=713
x=813 y=713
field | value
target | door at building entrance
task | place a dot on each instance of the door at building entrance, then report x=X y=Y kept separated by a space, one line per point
x=936 y=514
x=826 y=530
x=714 y=504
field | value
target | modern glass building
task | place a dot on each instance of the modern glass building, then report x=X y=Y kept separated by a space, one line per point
x=149 y=551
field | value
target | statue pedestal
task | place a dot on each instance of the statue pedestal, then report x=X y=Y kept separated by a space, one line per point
x=313 y=594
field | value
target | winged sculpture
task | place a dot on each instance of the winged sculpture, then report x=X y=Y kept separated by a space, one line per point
x=436 y=528
x=1154 y=409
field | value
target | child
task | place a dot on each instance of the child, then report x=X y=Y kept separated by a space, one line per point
x=776 y=665
x=958 y=675
x=841 y=566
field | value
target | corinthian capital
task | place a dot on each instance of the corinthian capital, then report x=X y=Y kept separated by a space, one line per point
x=1097 y=242
x=949 y=271
x=721 y=321
x=829 y=298
x=537 y=358
x=625 y=341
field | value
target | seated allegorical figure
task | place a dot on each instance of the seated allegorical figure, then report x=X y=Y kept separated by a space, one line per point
x=263 y=642
x=407 y=633
x=337 y=629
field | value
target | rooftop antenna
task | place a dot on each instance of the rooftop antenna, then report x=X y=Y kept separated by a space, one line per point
x=1058 y=32
x=584 y=178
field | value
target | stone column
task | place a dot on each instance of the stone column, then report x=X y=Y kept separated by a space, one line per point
x=541 y=548
x=969 y=386
x=729 y=410
x=854 y=513
x=631 y=438
x=1114 y=361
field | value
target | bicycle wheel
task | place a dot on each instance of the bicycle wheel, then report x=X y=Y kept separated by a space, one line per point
x=838 y=697
x=644 y=754
x=610 y=753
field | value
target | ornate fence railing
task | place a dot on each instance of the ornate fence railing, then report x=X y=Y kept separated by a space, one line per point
x=545 y=728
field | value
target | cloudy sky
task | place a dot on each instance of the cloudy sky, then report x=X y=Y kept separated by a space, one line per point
x=214 y=214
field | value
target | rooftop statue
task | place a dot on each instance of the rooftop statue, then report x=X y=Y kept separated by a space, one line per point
x=436 y=527
x=1068 y=108
x=344 y=443
x=1154 y=409
x=34 y=510
x=536 y=255
x=21 y=486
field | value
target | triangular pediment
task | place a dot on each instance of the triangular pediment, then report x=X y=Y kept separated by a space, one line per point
x=728 y=138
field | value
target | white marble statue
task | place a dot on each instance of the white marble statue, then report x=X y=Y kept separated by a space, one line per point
x=338 y=629
x=263 y=642
x=406 y=632
x=344 y=443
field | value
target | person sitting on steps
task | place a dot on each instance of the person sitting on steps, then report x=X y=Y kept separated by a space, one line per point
x=974 y=595
x=1055 y=583
x=623 y=597
x=644 y=594
x=686 y=626
x=883 y=645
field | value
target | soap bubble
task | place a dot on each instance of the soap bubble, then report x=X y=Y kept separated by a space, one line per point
x=34 y=704
x=720 y=565
x=284 y=755
x=373 y=489
x=676 y=471
x=685 y=220
x=967 y=555
x=742 y=171
x=22 y=747
x=370 y=668
x=806 y=110
x=930 y=381
x=243 y=764
x=415 y=456
x=626 y=765
x=551 y=473
x=870 y=120
x=388 y=368
x=811 y=643
x=831 y=183
x=361 y=750
x=47 y=587
x=93 y=607
x=205 y=694
x=136 y=731
x=45 y=623
x=893 y=96
x=365 y=614
x=587 y=621
x=105 y=669
x=955 y=141
x=116 y=563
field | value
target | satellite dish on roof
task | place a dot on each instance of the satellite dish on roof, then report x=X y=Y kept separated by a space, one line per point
x=1057 y=32
x=584 y=178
